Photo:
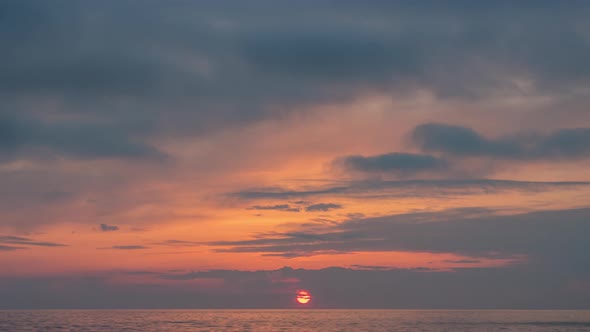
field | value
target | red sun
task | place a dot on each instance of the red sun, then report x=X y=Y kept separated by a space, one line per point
x=303 y=297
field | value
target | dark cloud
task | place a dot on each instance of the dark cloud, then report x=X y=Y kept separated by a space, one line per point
x=322 y=207
x=414 y=51
x=463 y=261
x=459 y=141
x=130 y=247
x=554 y=238
x=178 y=243
x=129 y=64
x=278 y=207
x=394 y=188
x=285 y=255
x=331 y=54
x=450 y=144
x=371 y=267
x=290 y=255
x=140 y=273
x=513 y=287
x=23 y=241
x=95 y=80
x=405 y=164
x=22 y=137
x=108 y=228
x=279 y=193
x=10 y=248
x=355 y=215
x=573 y=143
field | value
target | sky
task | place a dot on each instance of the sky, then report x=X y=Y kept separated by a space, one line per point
x=227 y=154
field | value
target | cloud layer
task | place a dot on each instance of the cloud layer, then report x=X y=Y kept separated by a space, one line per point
x=224 y=140
x=550 y=237
x=571 y=143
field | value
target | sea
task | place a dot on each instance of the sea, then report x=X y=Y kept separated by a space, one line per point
x=293 y=320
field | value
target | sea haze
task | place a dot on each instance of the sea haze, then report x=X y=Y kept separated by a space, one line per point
x=294 y=320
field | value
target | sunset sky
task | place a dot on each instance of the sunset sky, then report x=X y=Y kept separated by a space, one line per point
x=226 y=154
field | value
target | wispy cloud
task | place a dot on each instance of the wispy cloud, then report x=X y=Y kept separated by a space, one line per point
x=127 y=247
x=279 y=207
x=322 y=207
x=178 y=243
x=403 y=164
x=408 y=187
x=473 y=232
x=108 y=228
x=10 y=248
x=23 y=241
x=569 y=143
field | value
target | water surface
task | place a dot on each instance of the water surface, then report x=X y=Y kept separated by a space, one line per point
x=293 y=320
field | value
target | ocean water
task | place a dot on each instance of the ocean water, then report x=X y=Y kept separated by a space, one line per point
x=293 y=320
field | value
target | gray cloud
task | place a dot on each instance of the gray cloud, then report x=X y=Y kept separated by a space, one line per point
x=178 y=243
x=403 y=55
x=463 y=261
x=371 y=267
x=330 y=54
x=322 y=207
x=573 y=143
x=140 y=273
x=286 y=255
x=279 y=193
x=106 y=79
x=407 y=188
x=108 y=228
x=116 y=74
x=10 y=248
x=555 y=239
x=279 y=207
x=205 y=72
x=22 y=137
x=513 y=287
x=127 y=247
x=405 y=164
x=23 y=241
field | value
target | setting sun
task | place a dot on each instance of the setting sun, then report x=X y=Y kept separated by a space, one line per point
x=303 y=297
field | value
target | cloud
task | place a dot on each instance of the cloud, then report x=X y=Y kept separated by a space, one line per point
x=286 y=255
x=27 y=138
x=371 y=267
x=280 y=193
x=405 y=164
x=395 y=188
x=555 y=239
x=108 y=228
x=140 y=273
x=463 y=261
x=290 y=255
x=8 y=239
x=206 y=73
x=10 y=248
x=363 y=54
x=512 y=287
x=178 y=243
x=450 y=145
x=279 y=207
x=571 y=143
x=129 y=247
x=115 y=98
x=107 y=80
x=328 y=54
x=322 y=207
